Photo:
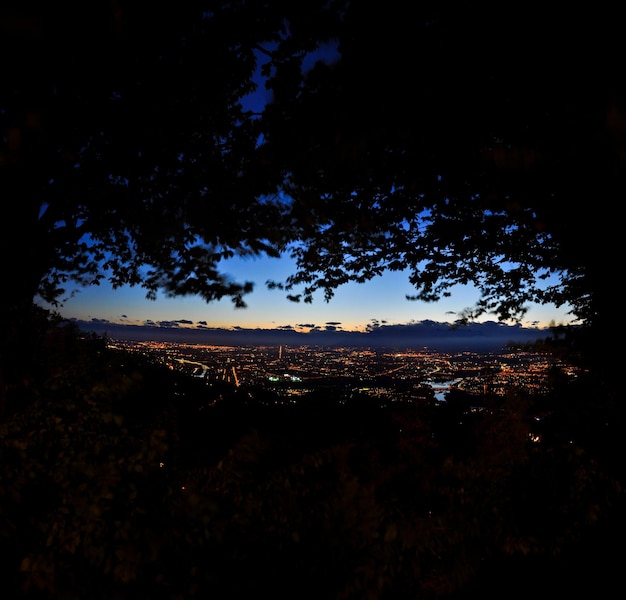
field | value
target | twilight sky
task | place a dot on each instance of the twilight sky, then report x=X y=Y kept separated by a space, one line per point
x=354 y=307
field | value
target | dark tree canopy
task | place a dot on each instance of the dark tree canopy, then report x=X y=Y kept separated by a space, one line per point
x=465 y=145
x=126 y=147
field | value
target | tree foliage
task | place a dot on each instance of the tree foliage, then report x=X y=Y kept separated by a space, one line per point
x=127 y=154
x=463 y=146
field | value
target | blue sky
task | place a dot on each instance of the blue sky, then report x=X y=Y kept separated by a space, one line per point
x=354 y=307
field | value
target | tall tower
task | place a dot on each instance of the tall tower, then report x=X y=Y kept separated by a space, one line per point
x=280 y=353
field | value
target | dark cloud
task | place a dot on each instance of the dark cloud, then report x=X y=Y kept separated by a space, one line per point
x=306 y=325
x=489 y=336
x=184 y=321
x=167 y=323
x=335 y=323
x=486 y=336
x=202 y=323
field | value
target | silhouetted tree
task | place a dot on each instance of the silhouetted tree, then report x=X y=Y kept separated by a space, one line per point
x=465 y=146
x=126 y=153
x=472 y=145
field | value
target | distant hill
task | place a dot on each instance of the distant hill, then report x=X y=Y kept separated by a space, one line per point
x=479 y=337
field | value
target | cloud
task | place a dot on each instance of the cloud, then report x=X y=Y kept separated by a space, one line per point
x=437 y=336
x=167 y=323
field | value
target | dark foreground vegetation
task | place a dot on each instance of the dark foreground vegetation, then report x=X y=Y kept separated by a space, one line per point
x=119 y=479
x=471 y=145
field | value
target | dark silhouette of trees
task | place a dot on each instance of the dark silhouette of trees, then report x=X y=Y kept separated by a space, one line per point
x=126 y=153
x=125 y=147
x=463 y=145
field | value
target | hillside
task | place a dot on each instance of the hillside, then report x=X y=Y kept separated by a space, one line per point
x=121 y=479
